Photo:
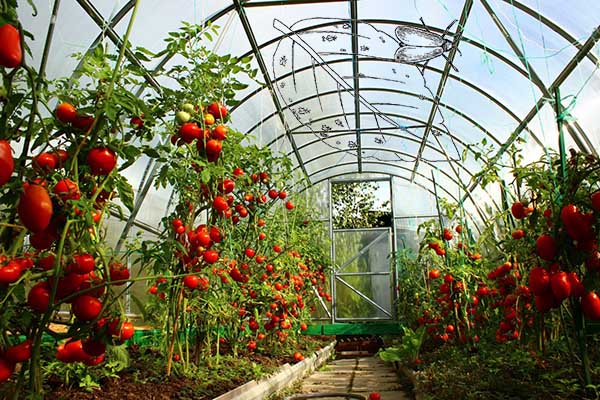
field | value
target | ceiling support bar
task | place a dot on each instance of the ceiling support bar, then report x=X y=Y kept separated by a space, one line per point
x=560 y=79
x=95 y=15
x=356 y=77
x=444 y=78
x=263 y=69
x=535 y=78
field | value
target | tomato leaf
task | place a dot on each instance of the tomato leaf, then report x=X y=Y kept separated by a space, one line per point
x=125 y=191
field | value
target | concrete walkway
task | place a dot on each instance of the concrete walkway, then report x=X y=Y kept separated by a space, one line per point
x=357 y=375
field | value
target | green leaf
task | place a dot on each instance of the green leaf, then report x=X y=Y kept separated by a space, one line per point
x=205 y=176
x=125 y=191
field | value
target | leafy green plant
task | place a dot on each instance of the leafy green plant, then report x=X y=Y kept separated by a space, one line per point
x=407 y=350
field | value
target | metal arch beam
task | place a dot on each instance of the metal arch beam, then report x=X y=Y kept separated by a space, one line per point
x=434 y=29
x=263 y=68
x=395 y=91
x=553 y=26
x=465 y=82
x=95 y=15
x=356 y=76
x=450 y=195
x=112 y=23
x=535 y=78
x=560 y=79
x=464 y=16
x=458 y=184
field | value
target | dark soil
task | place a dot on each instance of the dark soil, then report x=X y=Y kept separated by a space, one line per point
x=145 y=379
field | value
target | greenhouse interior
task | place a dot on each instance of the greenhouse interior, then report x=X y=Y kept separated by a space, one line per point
x=299 y=199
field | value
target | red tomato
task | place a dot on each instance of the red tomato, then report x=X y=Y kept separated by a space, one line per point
x=590 y=304
x=518 y=234
x=39 y=297
x=66 y=112
x=210 y=256
x=539 y=281
x=189 y=132
x=35 y=208
x=127 y=331
x=434 y=274
x=220 y=204
x=66 y=189
x=7 y=164
x=289 y=205
x=214 y=147
x=518 y=210
x=101 y=160
x=10 y=273
x=298 y=356
x=191 y=281
x=374 y=396
x=220 y=132
x=561 y=285
x=282 y=195
x=6 y=369
x=153 y=289
x=83 y=122
x=577 y=288
x=277 y=248
x=86 y=307
x=273 y=194
x=249 y=252
x=11 y=53
x=20 y=352
x=118 y=272
x=251 y=346
x=447 y=234
x=93 y=347
x=595 y=198
x=217 y=110
x=45 y=162
x=545 y=247
x=215 y=234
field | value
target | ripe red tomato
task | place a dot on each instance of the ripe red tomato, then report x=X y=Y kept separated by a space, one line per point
x=289 y=205
x=217 y=110
x=83 y=122
x=214 y=147
x=189 y=132
x=153 y=289
x=448 y=234
x=66 y=112
x=39 y=297
x=434 y=274
x=66 y=189
x=249 y=252
x=6 y=369
x=35 y=208
x=118 y=272
x=136 y=122
x=590 y=304
x=577 y=288
x=45 y=162
x=282 y=195
x=539 y=281
x=262 y=236
x=518 y=210
x=220 y=204
x=11 y=53
x=374 y=396
x=191 y=281
x=277 y=248
x=93 y=347
x=210 y=256
x=298 y=356
x=86 y=307
x=595 y=198
x=215 y=234
x=226 y=186
x=273 y=194
x=10 y=273
x=251 y=346
x=20 y=352
x=561 y=285
x=101 y=160
x=518 y=234
x=127 y=331
x=219 y=133
x=7 y=164
x=82 y=263
x=545 y=247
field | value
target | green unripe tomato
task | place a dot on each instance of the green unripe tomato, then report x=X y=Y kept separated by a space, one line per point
x=182 y=117
x=189 y=108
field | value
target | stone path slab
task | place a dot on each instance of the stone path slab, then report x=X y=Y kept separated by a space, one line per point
x=358 y=375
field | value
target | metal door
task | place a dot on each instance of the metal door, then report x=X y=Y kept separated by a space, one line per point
x=363 y=283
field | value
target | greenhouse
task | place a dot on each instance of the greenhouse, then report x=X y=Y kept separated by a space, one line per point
x=299 y=199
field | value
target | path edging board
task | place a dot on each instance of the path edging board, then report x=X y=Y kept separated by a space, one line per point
x=287 y=375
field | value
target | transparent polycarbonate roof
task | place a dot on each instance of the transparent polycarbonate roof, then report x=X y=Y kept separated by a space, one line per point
x=403 y=88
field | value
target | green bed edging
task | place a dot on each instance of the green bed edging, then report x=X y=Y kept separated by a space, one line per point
x=371 y=328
